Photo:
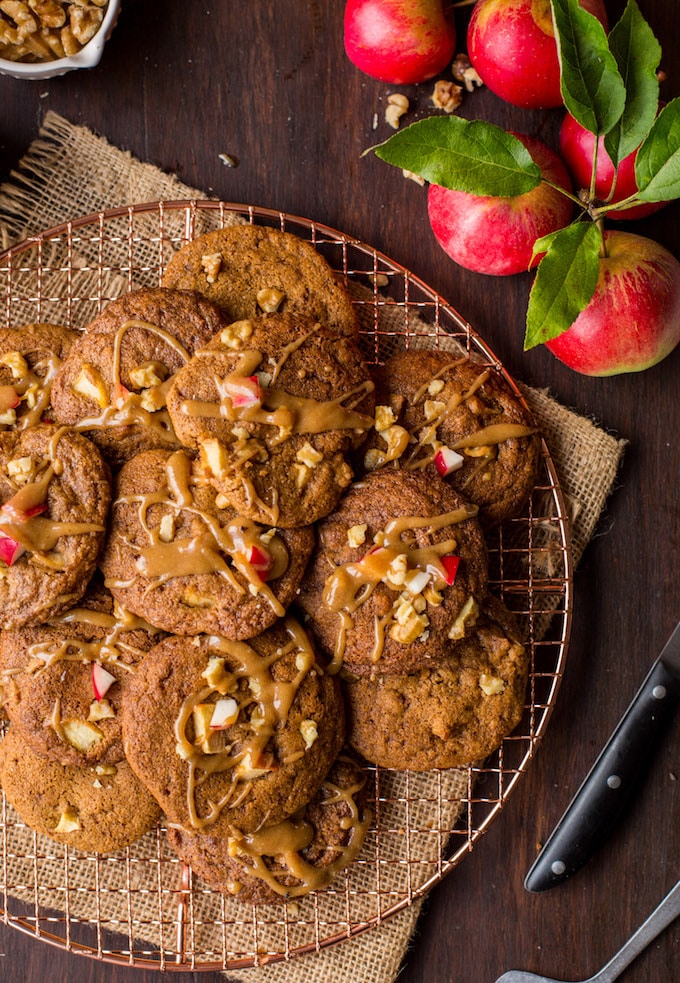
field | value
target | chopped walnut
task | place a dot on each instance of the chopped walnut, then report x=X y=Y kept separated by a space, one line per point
x=20 y=469
x=211 y=264
x=464 y=72
x=309 y=732
x=356 y=535
x=435 y=387
x=409 y=625
x=41 y=30
x=447 y=95
x=166 y=529
x=194 y=599
x=148 y=374
x=491 y=685
x=308 y=455
x=235 y=334
x=397 y=106
x=433 y=409
x=270 y=299
x=384 y=418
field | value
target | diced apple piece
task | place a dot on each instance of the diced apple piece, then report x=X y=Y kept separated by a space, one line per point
x=81 y=734
x=214 y=456
x=243 y=391
x=90 y=384
x=450 y=564
x=10 y=550
x=102 y=680
x=69 y=821
x=27 y=502
x=9 y=398
x=100 y=710
x=246 y=770
x=224 y=714
x=446 y=461
x=209 y=740
x=260 y=560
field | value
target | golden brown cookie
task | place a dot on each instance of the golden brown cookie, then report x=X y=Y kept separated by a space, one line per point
x=300 y=854
x=398 y=570
x=63 y=683
x=30 y=358
x=97 y=810
x=55 y=494
x=251 y=270
x=441 y=411
x=231 y=734
x=112 y=384
x=177 y=559
x=450 y=715
x=274 y=407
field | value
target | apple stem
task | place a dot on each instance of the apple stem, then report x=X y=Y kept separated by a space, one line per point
x=599 y=222
x=593 y=173
x=563 y=191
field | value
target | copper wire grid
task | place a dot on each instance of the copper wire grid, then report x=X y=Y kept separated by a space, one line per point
x=142 y=906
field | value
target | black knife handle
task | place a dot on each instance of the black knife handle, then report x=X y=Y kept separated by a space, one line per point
x=610 y=783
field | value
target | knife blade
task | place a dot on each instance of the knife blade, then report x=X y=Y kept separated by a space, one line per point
x=609 y=785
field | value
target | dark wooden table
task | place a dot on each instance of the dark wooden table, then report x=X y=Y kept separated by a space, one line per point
x=268 y=82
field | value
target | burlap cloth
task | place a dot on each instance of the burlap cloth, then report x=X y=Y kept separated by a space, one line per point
x=70 y=172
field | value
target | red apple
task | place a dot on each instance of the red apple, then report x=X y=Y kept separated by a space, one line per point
x=511 y=44
x=497 y=235
x=633 y=320
x=399 y=41
x=576 y=148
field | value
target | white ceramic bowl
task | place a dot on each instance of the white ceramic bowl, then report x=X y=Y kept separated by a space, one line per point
x=87 y=57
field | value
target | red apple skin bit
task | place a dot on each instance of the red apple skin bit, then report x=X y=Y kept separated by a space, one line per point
x=496 y=235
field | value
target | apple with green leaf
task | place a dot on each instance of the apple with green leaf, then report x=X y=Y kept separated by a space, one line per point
x=399 y=41
x=632 y=321
x=604 y=302
x=511 y=44
x=495 y=234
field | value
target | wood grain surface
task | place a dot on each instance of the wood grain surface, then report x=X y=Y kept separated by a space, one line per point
x=269 y=83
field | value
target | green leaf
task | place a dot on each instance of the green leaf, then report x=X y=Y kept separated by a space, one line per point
x=592 y=87
x=637 y=53
x=657 y=165
x=565 y=281
x=465 y=155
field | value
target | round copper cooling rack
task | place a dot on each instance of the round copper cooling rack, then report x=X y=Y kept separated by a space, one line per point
x=142 y=906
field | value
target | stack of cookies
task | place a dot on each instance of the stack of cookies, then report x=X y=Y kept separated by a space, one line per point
x=237 y=562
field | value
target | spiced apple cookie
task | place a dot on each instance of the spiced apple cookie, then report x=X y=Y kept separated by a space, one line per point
x=450 y=715
x=300 y=854
x=112 y=385
x=30 y=358
x=398 y=570
x=55 y=494
x=186 y=565
x=232 y=734
x=458 y=416
x=97 y=810
x=250 y=270
x=275 y=407
x=62 y=683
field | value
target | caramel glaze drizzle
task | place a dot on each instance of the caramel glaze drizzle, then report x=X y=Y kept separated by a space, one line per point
x=351 y=584
x=290 y=414
x=40 y=386
x=493 y=434
x=129 y=411
x=263 y=704
x=286 y=841
x=110 y=650
x=38 y=535
x=204 y=551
